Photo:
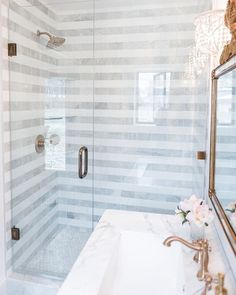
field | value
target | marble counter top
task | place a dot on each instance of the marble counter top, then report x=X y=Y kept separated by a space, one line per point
x=89 y=270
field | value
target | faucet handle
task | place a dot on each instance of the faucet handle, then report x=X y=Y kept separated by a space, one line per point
x=220 y=289
x=208 y=283
x=203 y=244
x=197 y=257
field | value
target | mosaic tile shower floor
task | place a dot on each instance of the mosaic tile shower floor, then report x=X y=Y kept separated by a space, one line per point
x=56 y=258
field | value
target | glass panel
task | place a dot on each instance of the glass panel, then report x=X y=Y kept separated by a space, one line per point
x=225 y=145
x=51 y=94
x=149 y=109
x=141 y=126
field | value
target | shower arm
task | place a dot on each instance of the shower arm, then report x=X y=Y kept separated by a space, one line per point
x=44 y=33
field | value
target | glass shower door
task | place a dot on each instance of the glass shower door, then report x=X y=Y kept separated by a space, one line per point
x=118 y=87
x=146 y=105
x=51 y=124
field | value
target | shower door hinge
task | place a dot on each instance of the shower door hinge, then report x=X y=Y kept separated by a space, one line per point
x=15 y=233
x=12 y=49
x=201 y=155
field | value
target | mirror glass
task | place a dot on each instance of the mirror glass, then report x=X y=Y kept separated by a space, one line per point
x=225 y=162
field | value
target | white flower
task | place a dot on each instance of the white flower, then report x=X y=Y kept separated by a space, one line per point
x=189 y=204
x=195 y=210
x=201 y=215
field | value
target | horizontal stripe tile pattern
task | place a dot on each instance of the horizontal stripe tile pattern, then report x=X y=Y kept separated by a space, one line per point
x=200 y=131
x=145 y=166
x=144 y=147
x=118 y=86
x=33 y=187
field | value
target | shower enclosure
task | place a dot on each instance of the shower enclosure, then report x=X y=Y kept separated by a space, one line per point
x=119 y=91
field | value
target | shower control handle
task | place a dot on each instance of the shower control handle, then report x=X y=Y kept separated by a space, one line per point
x=83 y=162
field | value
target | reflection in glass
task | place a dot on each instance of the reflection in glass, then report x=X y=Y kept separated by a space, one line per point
x=225 y=101
x=226 y=145
x=152 y=96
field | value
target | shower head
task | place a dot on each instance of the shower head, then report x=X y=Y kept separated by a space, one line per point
x=56 y=41
x=53 y=40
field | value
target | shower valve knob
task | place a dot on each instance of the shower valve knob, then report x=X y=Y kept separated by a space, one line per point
x=40 y=144
x=40 y=141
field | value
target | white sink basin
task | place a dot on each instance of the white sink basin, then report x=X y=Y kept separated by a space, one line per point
x=142 y=265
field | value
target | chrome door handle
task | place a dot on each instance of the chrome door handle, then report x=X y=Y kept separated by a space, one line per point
x=83 y=162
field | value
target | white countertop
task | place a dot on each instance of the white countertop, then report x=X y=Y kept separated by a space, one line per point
x=89 y=269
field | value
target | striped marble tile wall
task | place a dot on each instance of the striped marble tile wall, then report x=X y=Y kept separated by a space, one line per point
x=6 y=115
x=145 y=107
x=142 y=165
x=30 y=186
x=75 y=202
x=200 y=130
x=121 y=81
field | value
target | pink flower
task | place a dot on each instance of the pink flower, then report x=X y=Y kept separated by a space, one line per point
x=189 y=204
x=195 y=211
x=200 y=215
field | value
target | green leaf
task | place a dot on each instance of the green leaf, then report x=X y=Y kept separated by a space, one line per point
x=184 y=221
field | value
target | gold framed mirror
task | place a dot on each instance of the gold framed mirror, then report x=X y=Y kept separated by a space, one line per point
x=222 y=176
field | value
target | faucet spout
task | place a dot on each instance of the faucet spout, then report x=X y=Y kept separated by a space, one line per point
x=194 y=246
x=201 y=246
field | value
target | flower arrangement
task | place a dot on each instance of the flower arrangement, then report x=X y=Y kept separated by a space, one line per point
x=195 y=211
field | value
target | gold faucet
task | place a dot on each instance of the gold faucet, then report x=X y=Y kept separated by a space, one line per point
x=208 y=284
x=220 y=288
x=201 y=246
